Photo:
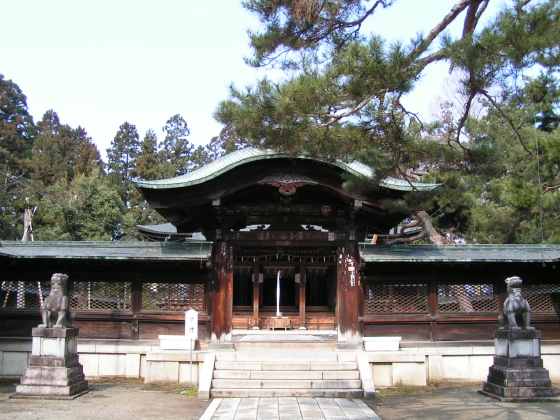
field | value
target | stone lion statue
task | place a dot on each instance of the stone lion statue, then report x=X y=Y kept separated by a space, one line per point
x=516 y=308
x=56 y=303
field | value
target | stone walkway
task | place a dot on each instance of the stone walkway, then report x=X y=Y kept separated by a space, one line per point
x=288 y=408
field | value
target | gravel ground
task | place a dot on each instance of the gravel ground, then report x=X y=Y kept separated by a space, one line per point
x=114 y=400
x=456 y=403
x=129 y=400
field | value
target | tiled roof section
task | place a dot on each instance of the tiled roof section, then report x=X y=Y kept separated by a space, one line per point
x=105 y=250
x=459 y=253
x=247 y=155
x=193 y=250
x=168 y=231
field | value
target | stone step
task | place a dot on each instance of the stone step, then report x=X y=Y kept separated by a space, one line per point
x=286 y=374
x=284 y=365
x=285 y=383
x=281 y=392
x=271 y=356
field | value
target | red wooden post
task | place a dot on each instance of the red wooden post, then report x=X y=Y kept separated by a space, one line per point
x=349 y=299
x=256 y=296
x=221 y=295
x=302 y=282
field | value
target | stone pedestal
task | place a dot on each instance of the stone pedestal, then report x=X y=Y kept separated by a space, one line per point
x=54 y=370
x=517 y=373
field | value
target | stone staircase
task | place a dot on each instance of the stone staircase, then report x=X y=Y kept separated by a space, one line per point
x=311 y=374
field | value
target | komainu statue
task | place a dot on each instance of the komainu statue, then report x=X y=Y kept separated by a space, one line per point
x=516 y=308
x=56 y=304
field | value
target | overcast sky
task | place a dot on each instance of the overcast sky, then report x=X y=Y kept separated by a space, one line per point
x=99 y=63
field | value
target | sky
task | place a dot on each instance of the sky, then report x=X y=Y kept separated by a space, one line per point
x=99 y=63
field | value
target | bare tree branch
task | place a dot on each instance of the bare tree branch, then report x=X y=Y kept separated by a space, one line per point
x=464 y=117
x=481 y=10
x=414 y=115
x=439 y=28
x=368 y=13
x=470 y=19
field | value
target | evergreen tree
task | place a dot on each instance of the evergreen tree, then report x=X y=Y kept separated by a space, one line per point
x=121 y=157
x=344 y=98
x=61 y=152
x=148 y=163
x=17 y=133
x=87 y=208
x=176 y=149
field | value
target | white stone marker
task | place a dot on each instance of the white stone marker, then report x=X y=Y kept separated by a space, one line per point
x=191 y=325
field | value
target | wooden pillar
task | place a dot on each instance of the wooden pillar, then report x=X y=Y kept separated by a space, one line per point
x=433 y=308
x=349 y=299
x=256 y=278
x=221 y=295
x=136 y=301
x=302 y=284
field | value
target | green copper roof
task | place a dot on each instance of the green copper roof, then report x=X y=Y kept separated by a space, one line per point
x=244 y=156
x=459 y=253
x=106 y=250
x=192 y=250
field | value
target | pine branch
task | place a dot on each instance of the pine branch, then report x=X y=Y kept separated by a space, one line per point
x=336 y=118
x=358 y=22
x=508 y=120
x=462 y=122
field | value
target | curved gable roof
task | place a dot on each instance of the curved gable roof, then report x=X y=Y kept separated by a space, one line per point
x=244 y=156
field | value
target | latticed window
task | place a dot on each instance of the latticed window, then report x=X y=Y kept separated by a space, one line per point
x=22 y=295
x=396 y=298
x=101 y=296
x=543 y=298
x=169 y=297
x=466 y=298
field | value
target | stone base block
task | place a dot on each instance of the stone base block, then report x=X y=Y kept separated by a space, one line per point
x=54 y=370
x=517 y=373
x=518 y=362
x=55 y=332
x=57 y=376
x=519 y=377
x=517 y=343
x=52 y=361
x=526 y=381
x=520 y=393
x=51 y=392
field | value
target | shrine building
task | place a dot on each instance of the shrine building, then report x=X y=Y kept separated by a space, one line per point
x=261 y=241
